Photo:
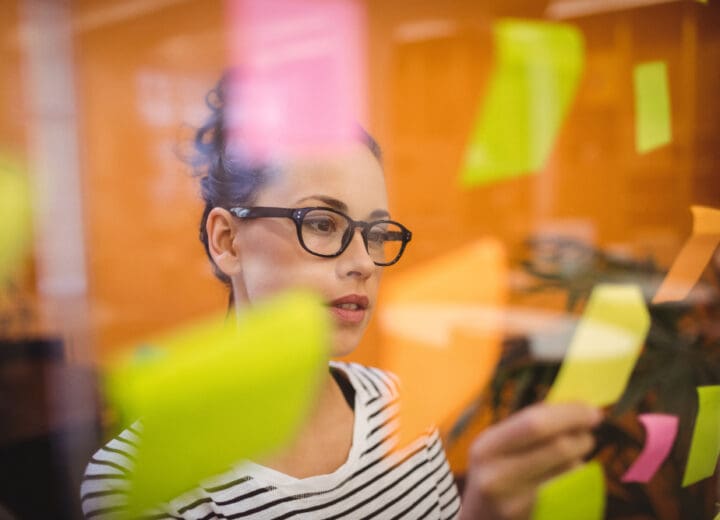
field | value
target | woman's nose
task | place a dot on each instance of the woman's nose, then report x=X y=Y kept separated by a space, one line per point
x=356 y=259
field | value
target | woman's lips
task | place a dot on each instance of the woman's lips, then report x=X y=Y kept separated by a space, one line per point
x=350 y=309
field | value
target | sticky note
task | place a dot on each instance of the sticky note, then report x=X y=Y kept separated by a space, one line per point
x=533 y=83
x=660 y=433
x=604 y=347
x=15 y=216
x=300 y=81
x=705 y=443
x=578 y=493
x=435 y=335
x=690 y=263
x=223 y=392
x=653 y=121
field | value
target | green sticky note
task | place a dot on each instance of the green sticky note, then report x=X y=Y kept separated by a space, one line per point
x=604 y=348
x=15 y=216
x=536 y=73
x=577 y=494
x=653 y=121
x=223 y=392
x=705 y=444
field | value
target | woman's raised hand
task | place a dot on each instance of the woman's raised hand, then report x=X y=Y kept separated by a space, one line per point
x=510 y=460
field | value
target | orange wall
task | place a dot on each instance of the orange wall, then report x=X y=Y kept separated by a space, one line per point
x=139 y=81
x=140 y=78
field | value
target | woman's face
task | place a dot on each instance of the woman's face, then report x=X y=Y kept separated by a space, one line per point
x=272 y=260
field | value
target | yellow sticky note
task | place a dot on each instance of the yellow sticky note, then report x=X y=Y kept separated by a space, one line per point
x=222 y=392
x=577 y=494
x=653 y=121
x=604 y=348
x=705 y=444
x=440 y=334
x=690 y=263
x=537 y=70
x=14 y=216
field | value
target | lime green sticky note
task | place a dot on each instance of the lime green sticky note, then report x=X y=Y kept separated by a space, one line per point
x=223 y=392
x=705 y=444
x=653 y=121
x=604 y=348
x=15 y=216
x=536 y=73
x=577 y=494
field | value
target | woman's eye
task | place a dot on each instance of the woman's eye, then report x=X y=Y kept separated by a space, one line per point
x=320 y=224
x=377 y=237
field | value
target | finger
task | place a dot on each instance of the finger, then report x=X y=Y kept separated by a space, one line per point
x=535 y=425
x=540 y=463
x=482 y=499
x=556 y=472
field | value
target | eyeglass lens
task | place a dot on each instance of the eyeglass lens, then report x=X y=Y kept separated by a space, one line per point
x=324 y=232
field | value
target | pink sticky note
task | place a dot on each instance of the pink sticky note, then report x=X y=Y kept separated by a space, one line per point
x=300 y=80
x=660 y=431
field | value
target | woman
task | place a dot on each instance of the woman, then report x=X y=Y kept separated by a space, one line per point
x=321 y=222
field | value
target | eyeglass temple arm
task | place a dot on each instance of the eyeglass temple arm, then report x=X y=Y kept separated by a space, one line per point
x=241 y=212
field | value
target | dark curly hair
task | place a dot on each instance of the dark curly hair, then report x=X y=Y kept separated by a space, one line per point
x=226 y=181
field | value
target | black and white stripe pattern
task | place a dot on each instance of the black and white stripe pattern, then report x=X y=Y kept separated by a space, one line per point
x=378 y=480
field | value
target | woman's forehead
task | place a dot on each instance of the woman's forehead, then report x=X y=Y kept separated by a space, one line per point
x=350 y=174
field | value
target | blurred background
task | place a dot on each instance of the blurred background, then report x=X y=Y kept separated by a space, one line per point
x=99 y=97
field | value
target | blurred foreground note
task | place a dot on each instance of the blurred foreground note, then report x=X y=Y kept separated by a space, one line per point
x=536 y=73
x=15 y=216
x=705 y=444
x=660 y=432
x=604 y=348
x=653 y=122
x=221 y=393
x=693 y=257
x=575 y=495
x=441 y=332
x=299 y=81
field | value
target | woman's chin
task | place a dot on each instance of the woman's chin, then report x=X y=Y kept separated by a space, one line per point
x=344 y=343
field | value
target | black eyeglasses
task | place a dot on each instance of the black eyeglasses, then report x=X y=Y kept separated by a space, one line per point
x=327 y=232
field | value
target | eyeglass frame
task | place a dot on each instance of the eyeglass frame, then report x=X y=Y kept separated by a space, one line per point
x=297 y=215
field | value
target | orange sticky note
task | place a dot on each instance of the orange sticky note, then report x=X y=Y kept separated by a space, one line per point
x=694 y=256
x=438 y=339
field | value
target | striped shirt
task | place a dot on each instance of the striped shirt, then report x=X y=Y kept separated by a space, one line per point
x=377 y=480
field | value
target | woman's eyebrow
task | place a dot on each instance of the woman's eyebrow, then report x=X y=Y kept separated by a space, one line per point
x=333 y=203
x=341 y=206
x=379 y=213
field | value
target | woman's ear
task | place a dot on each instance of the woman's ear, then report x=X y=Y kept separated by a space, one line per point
x=220 y=227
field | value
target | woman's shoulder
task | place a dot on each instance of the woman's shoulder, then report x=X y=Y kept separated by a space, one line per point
x=106 y=479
